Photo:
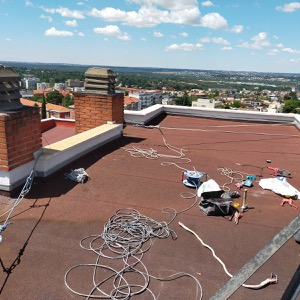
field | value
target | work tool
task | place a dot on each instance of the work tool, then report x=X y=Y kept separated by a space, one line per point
x=239 y=185
x=247 y=183
x=236 y=216
x=290 y=202
x=244 y=206
x=280 y=172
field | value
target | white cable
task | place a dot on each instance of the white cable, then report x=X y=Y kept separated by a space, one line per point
x=26 y=188
x=264 y=283
x=234 y=176
x=126 y=237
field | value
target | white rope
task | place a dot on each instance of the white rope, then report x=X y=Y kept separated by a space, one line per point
x=153 y=154
x=264 y=283
x=126 y=237
x=234 y=176
x=26 y=188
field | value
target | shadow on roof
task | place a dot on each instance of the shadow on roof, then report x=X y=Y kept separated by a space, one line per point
x=44 y=190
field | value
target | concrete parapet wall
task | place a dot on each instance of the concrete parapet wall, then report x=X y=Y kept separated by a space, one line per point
x=146 y=115
x=55 y=156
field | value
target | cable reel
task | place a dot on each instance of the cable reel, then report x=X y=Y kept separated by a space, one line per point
x=192 y=179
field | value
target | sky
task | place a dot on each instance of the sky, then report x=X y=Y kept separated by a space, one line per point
x=230 y=35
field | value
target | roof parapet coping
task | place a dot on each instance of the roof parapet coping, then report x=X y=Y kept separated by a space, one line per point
x=57 y=155
x=146 y=115
x=61 y=153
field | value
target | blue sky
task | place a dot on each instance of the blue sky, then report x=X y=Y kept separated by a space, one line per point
x=238 y=35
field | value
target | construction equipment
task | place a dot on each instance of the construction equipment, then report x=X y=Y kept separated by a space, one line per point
x=280 y=172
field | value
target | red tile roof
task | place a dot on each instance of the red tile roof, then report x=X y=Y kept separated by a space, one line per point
x=128 y=99
x=49 y=106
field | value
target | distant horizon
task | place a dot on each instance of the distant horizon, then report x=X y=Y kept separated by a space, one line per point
x=233 y=35
x=145 y=67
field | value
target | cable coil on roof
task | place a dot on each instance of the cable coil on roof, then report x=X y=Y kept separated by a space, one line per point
x=126 y=237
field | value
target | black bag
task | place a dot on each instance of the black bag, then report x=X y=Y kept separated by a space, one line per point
x=213 y=204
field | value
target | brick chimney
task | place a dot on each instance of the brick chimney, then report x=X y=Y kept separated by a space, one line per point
x=20 y=126
x=99 y=104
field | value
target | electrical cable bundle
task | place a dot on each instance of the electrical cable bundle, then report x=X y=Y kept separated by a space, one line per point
x=126 y=237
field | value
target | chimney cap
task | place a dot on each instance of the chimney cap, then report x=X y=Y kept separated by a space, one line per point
x=9 y=90
x=99 y=72
x=8 y=72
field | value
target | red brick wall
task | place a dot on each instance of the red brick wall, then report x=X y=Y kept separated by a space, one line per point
x=92 y=110
x=20 y=137
x=51 y=123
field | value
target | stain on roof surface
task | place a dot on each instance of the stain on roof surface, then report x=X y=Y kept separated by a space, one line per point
x=43 y=242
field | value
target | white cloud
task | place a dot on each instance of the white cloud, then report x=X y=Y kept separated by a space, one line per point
x=273 y=52
x=81 y=33
x=47 y=18
x=214 y=21
x=72 y=23
x=157 y=34
x=207 y=3
x=54 y=32
x=28 y=3
x=149 y=15
x=259 y=41
x=226 y=48
x=290 y=7
x=65 y=12
x=109 y=14
x=237 y=28
x=144 y=39
x=170 y=5
x=295 y=60
x=218 y=40
x=290 y=50
x=183 y=34
x=112 y=30
x=8 y=39
x=184 y=47
x=280 y=46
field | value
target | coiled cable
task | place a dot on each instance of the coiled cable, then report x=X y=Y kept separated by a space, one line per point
x=126 y=237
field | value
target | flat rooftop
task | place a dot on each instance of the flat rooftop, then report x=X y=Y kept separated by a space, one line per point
x=43 y=243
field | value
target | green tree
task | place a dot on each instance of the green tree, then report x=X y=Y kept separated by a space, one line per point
x=290 y=106
x=44 y=111
x=68 y=100
x=236 y=103
x=37 y=98
x=290 y=96
x=54 y=97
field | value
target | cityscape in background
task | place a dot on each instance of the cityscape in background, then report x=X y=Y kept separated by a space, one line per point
x=144 y=87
